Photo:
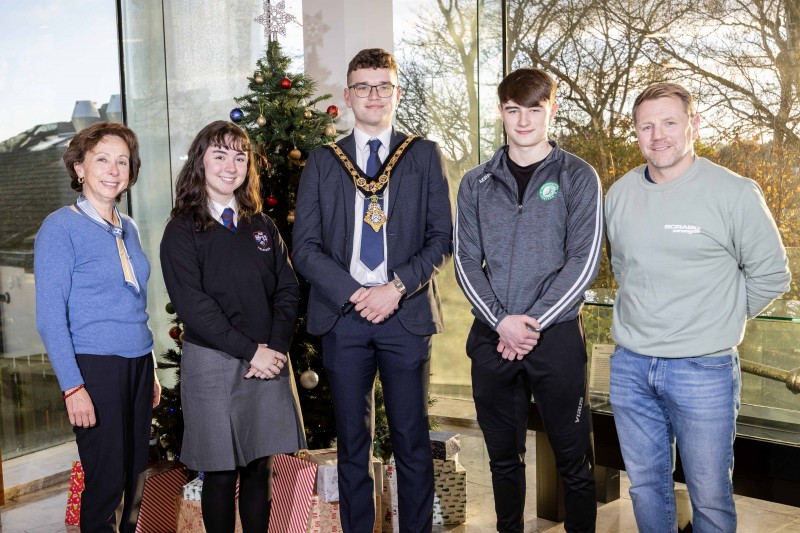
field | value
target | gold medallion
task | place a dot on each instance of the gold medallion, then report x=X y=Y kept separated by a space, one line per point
x=375 y=216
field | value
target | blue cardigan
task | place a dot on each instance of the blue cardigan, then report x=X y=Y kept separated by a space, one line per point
x=82 y=303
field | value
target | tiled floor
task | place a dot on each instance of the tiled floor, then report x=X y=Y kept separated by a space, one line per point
x=43 y=511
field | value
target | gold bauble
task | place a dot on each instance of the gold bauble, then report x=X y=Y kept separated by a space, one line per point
x=290 y=217
x=295 y=154
x=308 y=114
x=261 y=120
x=330 y=130
x=259 y=79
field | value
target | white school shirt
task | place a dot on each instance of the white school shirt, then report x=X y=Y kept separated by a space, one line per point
x=216 y=209
x=358 y=270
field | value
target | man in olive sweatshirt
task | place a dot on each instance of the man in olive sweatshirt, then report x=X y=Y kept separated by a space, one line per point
x=696 y=253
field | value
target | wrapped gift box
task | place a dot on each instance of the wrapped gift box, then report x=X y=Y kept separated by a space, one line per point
x=449 y=500
x=293 y=481
x=327 y=484
x=190 y=518
x=193 y=490
x=76 y=484
x=162 y=493
x=390 y=523
x=450 y=492
x=445 y=445
x=324 y=516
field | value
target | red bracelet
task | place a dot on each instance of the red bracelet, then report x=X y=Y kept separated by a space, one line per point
x=73 y=391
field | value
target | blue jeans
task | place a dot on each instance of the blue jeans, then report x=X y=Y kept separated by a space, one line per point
x=694 y=401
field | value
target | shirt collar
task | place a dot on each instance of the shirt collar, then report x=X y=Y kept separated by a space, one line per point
x=363 y=138
x=217 y=208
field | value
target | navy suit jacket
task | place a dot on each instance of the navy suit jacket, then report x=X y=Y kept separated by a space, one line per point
x=418 y=233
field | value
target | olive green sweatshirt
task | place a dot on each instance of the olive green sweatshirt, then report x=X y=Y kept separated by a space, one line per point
x=694 y=257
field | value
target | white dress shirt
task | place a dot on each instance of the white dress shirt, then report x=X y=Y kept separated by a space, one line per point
x=358 y=270
x=216 y=210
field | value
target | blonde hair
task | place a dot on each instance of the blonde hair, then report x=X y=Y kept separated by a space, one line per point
x=665 y=90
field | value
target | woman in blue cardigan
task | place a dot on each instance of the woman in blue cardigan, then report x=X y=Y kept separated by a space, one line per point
x=91 y=299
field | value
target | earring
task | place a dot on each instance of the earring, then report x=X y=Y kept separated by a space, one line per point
x=81 y=180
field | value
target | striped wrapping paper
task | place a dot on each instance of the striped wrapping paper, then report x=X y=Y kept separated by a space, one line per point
x=162 y=492
x=292 y=485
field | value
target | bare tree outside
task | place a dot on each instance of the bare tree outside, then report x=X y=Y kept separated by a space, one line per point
x=739 y=58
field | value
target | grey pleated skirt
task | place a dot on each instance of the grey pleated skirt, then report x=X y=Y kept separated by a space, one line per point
x=230 y=421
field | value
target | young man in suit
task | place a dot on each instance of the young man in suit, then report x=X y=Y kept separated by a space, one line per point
x=373 y=226
x=529 y=234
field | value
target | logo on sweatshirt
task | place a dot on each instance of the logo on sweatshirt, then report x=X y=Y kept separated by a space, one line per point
x=262 y=241
x=548 y=191
x=682 y=228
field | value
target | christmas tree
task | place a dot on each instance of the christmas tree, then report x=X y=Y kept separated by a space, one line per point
x=168 y=414
x=280 y=115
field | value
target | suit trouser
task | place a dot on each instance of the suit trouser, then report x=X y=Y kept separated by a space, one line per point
x=555 y=373
x=114 y=452
x=352 y=353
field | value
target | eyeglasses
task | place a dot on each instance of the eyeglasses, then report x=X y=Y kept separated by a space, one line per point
x=363 y=90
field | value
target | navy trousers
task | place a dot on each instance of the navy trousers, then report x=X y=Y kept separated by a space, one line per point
x=352 y=353
x=114 y=452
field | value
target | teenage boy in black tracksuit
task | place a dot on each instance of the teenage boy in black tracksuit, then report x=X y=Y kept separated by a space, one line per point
x=528 y=238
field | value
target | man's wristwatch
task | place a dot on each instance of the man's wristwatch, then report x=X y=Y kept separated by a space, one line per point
x=399 y=285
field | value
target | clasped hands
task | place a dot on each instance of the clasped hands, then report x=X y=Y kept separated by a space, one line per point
x=518 y=336
x=266 y=363
x=376 y=303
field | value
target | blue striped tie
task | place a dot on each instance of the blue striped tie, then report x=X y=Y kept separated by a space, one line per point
x=227 y=219
x=372 y=241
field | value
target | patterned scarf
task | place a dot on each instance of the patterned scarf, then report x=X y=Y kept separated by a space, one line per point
x=85 y=207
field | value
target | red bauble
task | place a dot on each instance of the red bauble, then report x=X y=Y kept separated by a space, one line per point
x=272 y=201
x=175 y=332
x=333 y=111
x=286 y=83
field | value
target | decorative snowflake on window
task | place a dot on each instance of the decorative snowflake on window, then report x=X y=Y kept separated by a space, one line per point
x=274 y=18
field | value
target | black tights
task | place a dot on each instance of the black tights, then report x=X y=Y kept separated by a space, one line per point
x=255 y=498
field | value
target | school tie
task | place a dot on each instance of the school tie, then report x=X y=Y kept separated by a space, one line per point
x=227 y=219
x=371 y=240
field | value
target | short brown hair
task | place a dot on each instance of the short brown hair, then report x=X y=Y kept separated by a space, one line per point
x=527 y=87
x=87 y=139
x=191 y=197
x=665 y=90
x=373 y=58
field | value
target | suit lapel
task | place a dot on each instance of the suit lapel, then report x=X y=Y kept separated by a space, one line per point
x=348 y=146
x=394 y=182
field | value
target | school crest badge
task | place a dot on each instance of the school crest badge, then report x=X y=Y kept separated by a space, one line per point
x=262 y=241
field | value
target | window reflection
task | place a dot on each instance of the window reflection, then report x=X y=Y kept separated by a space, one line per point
x=57 y=79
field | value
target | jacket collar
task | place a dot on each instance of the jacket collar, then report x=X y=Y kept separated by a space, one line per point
x=496 y=166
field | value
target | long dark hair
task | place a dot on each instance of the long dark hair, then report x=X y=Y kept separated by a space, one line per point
x=191 y=197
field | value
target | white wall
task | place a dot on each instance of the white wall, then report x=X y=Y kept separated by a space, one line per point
x=336 y=30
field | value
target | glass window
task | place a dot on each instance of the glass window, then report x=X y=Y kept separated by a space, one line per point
x=737 y=59
x=450 y=58
x=59 y=72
